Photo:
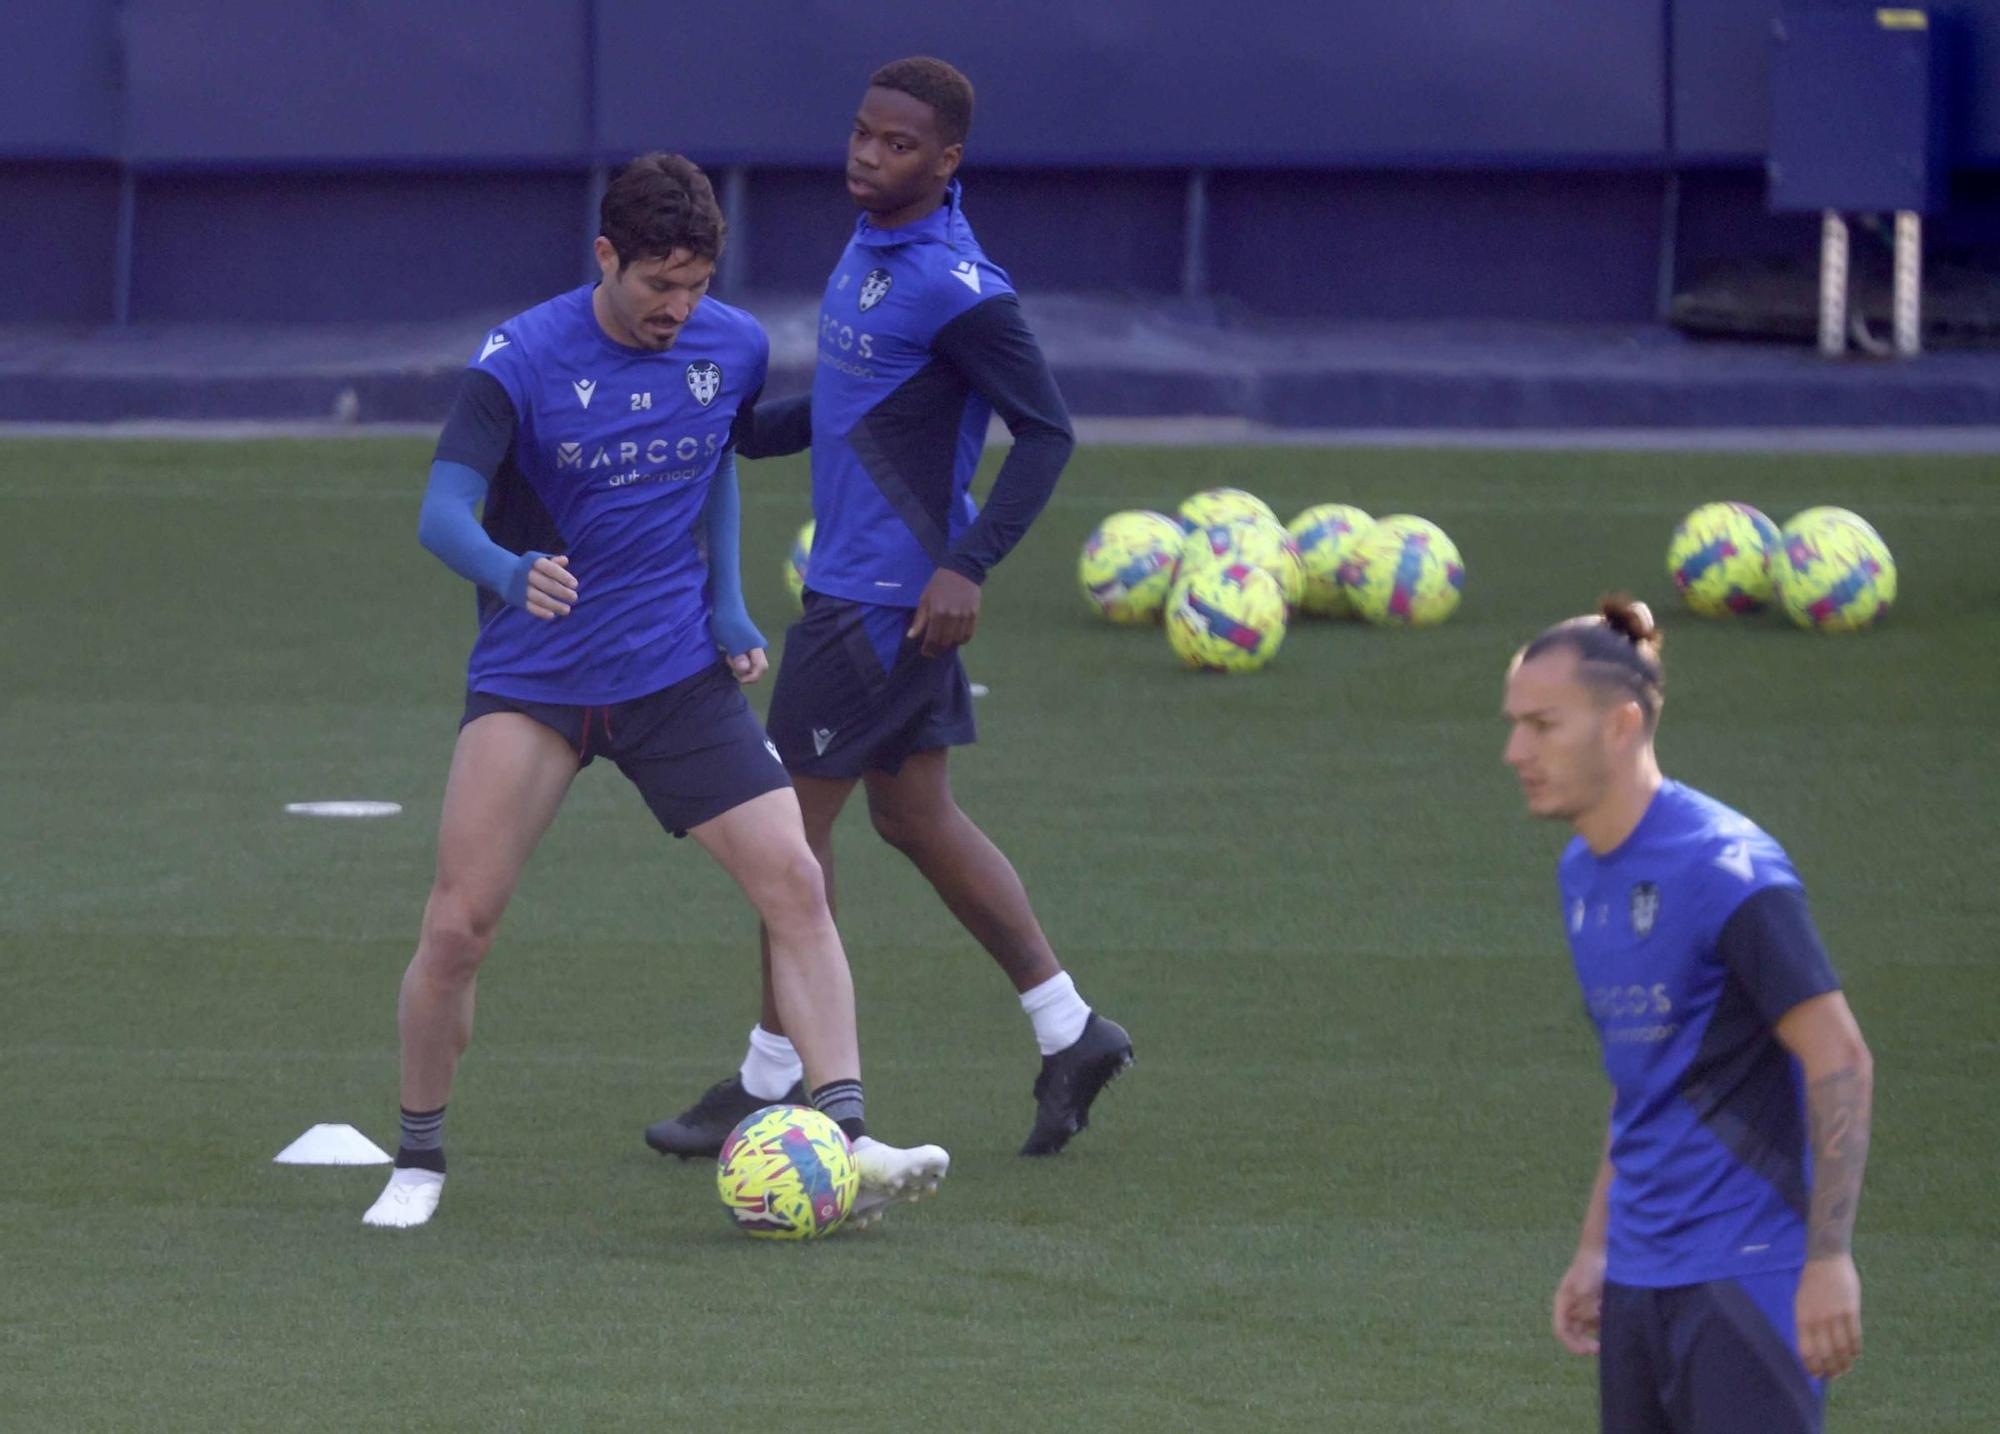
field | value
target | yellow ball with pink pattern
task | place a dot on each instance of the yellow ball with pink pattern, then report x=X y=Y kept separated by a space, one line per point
x=1405 y=572
x=787 y=1172
x=1834 y=572
x=1326 y=534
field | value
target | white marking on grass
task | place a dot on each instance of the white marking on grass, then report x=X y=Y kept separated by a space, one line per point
x=343 y=809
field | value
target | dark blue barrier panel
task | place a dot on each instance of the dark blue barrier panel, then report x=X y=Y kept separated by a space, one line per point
x=1722 y=66
x=288 y=249
x=1974 y=33
x=59 y=78
x=1286 y=82
x=1855 y=112
x=1546 y=247
x=58 y=224
x=217 y=82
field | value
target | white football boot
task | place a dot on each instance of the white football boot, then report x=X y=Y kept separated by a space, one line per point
x=408 y=1200
x=890 y=1173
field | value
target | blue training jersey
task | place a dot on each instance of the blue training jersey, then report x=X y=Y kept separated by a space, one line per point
x=612 y=454
x=1690 y=942
x=887 y=513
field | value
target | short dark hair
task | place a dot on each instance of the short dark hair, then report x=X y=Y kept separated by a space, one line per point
x=658 y=204
x=937 y=84
x=1617 y=650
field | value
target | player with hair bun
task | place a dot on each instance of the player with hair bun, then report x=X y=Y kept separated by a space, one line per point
x=1714 y=1277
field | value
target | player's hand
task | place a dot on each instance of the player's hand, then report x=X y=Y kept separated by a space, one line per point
x=947 y=612
x=740 y=641
x=551 y=589
x=1579 y=1303
x=1829 y=1316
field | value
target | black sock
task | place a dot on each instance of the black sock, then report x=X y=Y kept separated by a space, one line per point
x=423 y=1141
x=840 y=1101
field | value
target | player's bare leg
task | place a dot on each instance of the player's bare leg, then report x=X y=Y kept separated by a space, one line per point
x=914 y=811
x=509 y=774
x=771 y=1069
x=762 y=844
x=820 y=802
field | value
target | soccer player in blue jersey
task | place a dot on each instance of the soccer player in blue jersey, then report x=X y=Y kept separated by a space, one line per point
x=921 y=340
x=1714 y=1278
x=595 y=428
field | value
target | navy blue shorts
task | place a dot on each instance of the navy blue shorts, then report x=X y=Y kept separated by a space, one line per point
x=1717 y=1358
x=694 y=750
x=854 y=695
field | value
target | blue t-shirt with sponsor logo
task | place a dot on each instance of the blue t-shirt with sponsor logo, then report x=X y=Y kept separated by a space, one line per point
x=886 y=408
x=610 y=459
x=1690 y=941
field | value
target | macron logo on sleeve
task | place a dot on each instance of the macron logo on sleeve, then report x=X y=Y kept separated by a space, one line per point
x=1735 y=859
x=495 y=341
x=967 y=273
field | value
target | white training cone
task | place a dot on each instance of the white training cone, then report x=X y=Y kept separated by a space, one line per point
x=332 y=1145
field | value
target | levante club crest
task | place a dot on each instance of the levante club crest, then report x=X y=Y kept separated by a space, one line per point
x=1645 y=908
x=704 y=378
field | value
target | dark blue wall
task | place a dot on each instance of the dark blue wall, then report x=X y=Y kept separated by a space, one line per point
x=317 y=82
x=1145 y=82
x=1435 y=158
x=1721 y=60
x=61 y=82
x=1170 y=82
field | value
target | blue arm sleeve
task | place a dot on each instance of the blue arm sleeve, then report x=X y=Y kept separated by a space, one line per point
x=774 y=428
x=448 y=526
x=723 y=522
x=991 y=344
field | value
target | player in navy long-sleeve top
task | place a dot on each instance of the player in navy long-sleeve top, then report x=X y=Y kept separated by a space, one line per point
x=921 y=340
x=1714 y=1277
x=596 y=430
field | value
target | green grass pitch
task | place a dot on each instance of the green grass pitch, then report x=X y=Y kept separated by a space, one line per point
x=1335 y=1193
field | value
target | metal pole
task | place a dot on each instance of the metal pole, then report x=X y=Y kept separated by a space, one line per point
x=600 y=180
x=1194 y=237
x=1909 y=286
x=1668 y=276
x=121 y=250
x=1833 y=284
x=736 y=214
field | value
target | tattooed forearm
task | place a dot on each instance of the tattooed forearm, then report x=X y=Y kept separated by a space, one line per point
x=1838 y=1106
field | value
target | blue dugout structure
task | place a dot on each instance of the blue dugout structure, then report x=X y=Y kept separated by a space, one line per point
x=374 y=159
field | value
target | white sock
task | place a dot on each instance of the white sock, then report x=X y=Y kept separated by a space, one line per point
x=771 y=1066
x=1058 y=1012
